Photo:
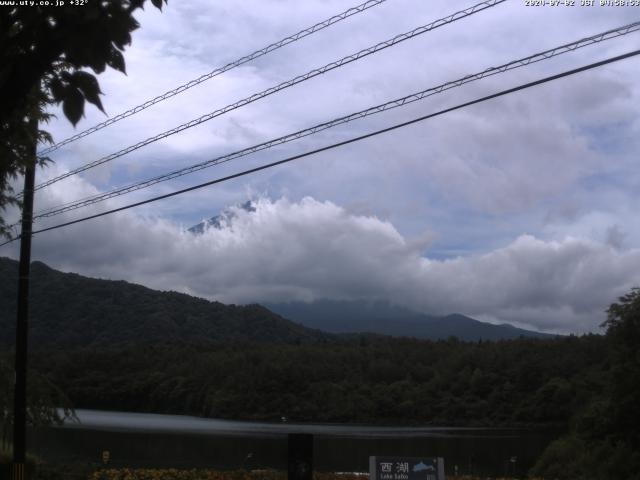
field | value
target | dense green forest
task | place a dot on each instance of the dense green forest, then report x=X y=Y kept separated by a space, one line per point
x=116 y=345
x=47 y=404
x=373 y=380
x=603 y=442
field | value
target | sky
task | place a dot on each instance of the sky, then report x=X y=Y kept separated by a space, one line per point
x=518 y=210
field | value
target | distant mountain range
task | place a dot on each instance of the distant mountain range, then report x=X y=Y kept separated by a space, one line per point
x=68 y=310
x=386 y=319
x=376 y=317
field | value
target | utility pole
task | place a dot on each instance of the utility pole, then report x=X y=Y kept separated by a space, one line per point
x=22 y=321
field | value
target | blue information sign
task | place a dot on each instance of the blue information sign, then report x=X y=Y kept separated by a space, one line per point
x=406 y=468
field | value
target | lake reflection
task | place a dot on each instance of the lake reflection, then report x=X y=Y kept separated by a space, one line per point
x=179 y=441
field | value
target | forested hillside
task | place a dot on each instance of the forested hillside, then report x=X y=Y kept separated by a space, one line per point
x=68 y=311
x=116 y=345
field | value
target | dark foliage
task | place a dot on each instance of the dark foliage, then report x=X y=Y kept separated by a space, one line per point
x=116 y=345
x=371 y=380
x=70 y=311
x=605 y=439
x=46 y=403
x=44 y=51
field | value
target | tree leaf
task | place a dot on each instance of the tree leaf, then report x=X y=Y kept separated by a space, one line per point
x=157 y=4
x=44 y=137
x=116 y=60
x=73 y=105
x=88 y=85
x=119 y=33
x=36 y=47
x=57 y=89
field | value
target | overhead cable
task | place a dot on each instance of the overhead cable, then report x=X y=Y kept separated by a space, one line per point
x=345 y=142
x=294 y=81
x=547 y=54
x=218 y=71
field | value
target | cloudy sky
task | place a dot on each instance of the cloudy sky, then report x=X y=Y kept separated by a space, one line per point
x=518 y=210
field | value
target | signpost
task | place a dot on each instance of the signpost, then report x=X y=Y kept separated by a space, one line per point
x=300 y=456
x=406 y=468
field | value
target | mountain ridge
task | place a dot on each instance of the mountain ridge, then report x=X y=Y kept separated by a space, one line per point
x=387 y=319
x=68 y=310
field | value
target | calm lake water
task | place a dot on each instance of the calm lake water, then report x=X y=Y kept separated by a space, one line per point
x=141 y=440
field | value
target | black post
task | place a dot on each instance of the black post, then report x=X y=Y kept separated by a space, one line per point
x=22 y=322
x=300 y=459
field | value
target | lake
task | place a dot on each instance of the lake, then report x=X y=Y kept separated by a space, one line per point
x=149 y=440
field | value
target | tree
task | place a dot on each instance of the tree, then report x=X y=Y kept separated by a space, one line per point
x=45 y=52
x=604 y=442
x=47 y=404
x=623 y=333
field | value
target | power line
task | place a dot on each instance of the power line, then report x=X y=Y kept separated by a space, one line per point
x=351 y=140
x=547 y=54
x=218 y=71
x=294 y=81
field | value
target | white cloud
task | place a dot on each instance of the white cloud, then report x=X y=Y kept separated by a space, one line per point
x=310 y=249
